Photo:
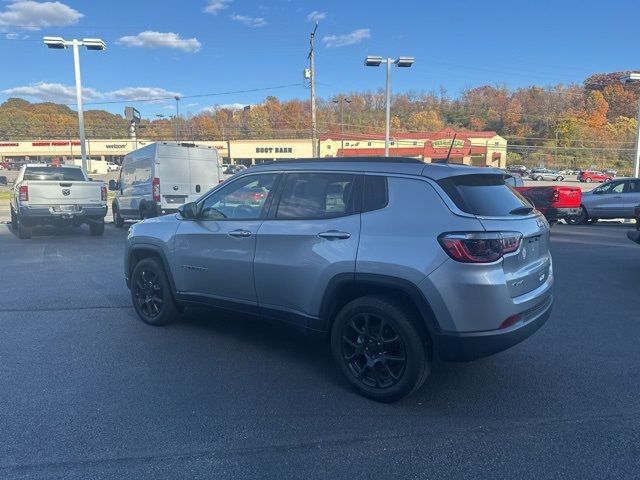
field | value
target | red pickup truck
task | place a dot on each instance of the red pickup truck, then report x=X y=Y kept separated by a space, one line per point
x=554 y=203
x=591 y=176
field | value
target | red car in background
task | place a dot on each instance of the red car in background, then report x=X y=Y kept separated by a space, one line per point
x=592 y=176
x=554 y=203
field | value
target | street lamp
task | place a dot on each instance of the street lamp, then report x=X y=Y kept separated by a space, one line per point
x=59 y=43
x=341 y=101
x=376 y=61
x=177 y=101
x=631 y=78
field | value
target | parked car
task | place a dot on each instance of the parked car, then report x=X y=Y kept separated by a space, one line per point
x=112 y=167
x=589 y=176
x=615 y=199
x=158 y=178
x=634 y=235
x=233 y=169
x=3 y=166
x=3 y=180
x=395 y=261
x=544 y=174
x=613 y=173
x=56 y=195
x=521 y=169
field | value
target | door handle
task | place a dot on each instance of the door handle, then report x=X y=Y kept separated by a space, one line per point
x=334 y=235
x=240 y=233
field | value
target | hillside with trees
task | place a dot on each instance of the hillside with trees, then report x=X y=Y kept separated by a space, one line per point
x=588 y=125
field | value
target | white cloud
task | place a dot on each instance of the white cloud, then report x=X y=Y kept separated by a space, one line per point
x=225 y=106
x=57 y=92
x=316 y=16
x=214 y=6
x=142 y=93
x=150 y=39
x=334 y=41
x=30 y=15
x=12 y=36
x=52 y=92
x=249 y=21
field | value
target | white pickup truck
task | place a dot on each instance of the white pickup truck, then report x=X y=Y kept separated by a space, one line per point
x=57 y=195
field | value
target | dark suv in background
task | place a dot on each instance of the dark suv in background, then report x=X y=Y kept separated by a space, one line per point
x=396 y=261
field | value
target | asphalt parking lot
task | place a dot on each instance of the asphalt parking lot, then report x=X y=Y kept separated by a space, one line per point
x=88 y=391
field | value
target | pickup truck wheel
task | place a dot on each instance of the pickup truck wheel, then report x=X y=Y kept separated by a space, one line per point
x=24 y=231
x=97 y=228
x=118 y=221
x=151 y=293
x=379 y=349
x=14 y=219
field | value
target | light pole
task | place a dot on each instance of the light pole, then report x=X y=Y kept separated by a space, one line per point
x=375 y=61
x=341 y=101
x=635 y=77
x=177 y=101
x=91 y=44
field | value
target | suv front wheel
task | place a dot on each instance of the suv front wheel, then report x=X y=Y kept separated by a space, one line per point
x=151 y=293
x=379 y=348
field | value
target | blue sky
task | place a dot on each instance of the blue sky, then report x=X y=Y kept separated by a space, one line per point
x=193 y=47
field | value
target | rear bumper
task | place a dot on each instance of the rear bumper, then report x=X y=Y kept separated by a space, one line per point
x=553 y=213
x=44 y=214
x=461 y=347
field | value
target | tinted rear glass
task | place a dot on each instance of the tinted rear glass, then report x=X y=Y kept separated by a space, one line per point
x=482 y=194
x=54 y=173
x=375 y=193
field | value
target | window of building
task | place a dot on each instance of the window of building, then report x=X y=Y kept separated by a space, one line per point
x=317 y=196
x=346 y=144
x=415 y=143
x=243 y=199
x=368 y=144
x=393 y=143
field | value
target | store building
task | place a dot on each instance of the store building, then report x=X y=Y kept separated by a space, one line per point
x=469 y=148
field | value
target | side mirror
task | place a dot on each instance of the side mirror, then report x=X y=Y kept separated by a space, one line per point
x=113 y=185
x=189 y=210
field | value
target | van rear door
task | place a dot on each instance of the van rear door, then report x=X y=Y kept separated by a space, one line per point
x=205 y=171
x=173 y=172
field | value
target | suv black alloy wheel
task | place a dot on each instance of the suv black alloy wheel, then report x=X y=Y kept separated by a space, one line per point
x=150 y=293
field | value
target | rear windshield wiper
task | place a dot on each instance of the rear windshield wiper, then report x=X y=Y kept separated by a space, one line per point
x=521 y=210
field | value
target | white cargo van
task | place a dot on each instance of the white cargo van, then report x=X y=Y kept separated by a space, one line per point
x=158 y=178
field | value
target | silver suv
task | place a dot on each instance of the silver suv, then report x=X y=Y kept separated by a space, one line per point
x=397 y=261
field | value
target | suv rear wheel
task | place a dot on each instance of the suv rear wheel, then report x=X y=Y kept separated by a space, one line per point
x=379 y=349
x=151 y=293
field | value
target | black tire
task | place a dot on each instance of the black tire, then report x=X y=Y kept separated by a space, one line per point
x=97 y=228
x=538 y=178
x=24 y=231
x=151 y=293
x=559 y=179
x=14 y=219
x=118 y=221
x=588 y=180
x=582 y=218
x=376 y=345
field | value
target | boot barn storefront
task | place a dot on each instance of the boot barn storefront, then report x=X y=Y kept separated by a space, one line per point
x=470 y=148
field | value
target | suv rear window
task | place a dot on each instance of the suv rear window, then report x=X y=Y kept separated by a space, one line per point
x=483 y=194
x=54 y=173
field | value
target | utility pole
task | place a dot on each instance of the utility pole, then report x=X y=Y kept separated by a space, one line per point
x=177 y=115
x=555 y=159
x=312 y=79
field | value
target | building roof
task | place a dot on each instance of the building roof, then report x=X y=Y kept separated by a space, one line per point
x=446 y=133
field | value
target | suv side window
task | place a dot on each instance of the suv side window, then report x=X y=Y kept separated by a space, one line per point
x=375 y=195
x=242 y=199
x=317 y=195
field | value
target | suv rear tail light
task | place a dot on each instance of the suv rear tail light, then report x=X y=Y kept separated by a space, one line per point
x=479 y=247
x=103 y=194
x=156 y=189
x=555 y=196
x=24 y=193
